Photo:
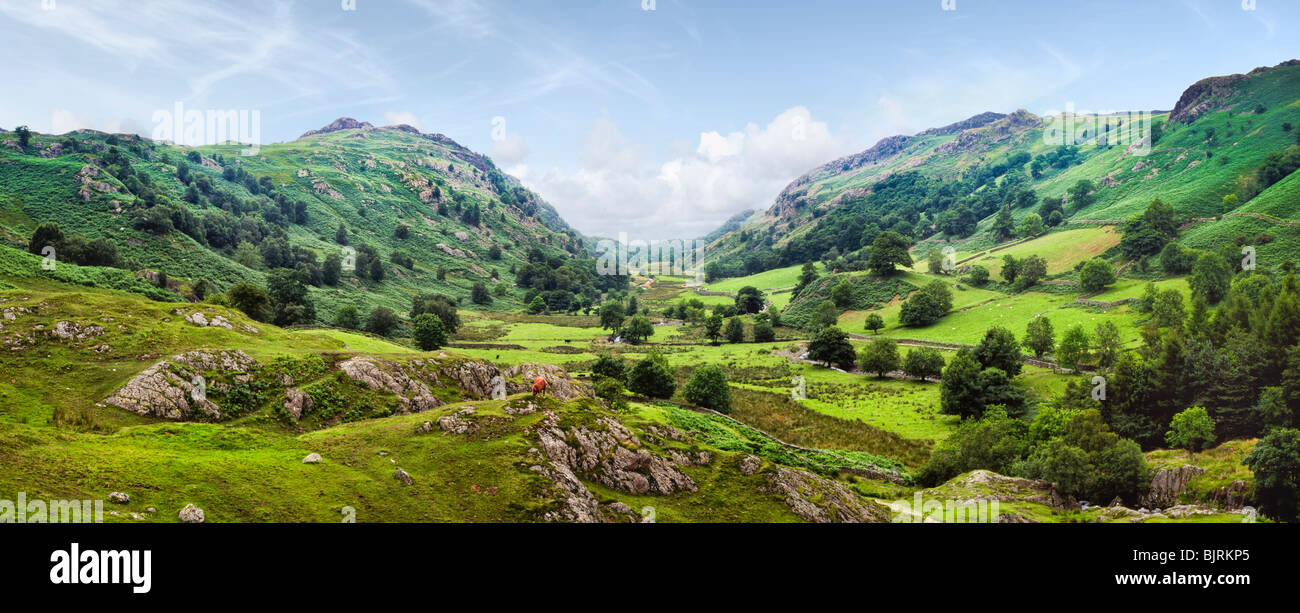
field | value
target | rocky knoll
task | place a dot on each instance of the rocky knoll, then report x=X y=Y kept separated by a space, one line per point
x=821 y=500
x=168 y=390
x=611 y=455
x=412 y=382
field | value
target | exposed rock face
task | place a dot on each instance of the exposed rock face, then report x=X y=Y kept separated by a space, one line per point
x=558 y=383
x=821 y=500
x=191 y=514
x=458 y=423
x=1232 y=496
x=297 y=402
x=342 y=123
x=602 y=455
x=1212 y=93
x=750 y=465
x=578 y=504
x=1168 y=485
x=67 y=330
x=988 y=485
x=167 y=389
x=377 y=374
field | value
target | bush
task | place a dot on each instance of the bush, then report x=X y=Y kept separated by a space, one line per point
x=428 y=331
x=611 y=391
x=880 y=356
x=735 y=330
x=926 y=306
x=1192 y=429
x=347 y=317
x=381 y=321
x=763 y=332
x=652 y=377
x=1096 y=275
x=1275 y=460
x=708 y=388
x=610 y=367
x=638 y=329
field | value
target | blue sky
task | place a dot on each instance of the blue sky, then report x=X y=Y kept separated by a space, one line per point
x=658 y=123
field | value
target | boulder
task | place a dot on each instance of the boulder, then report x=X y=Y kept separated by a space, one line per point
x=1168 y=485
x=191 y=514
x=297 y=402
x=119 y=497
x=402 y=476
x=312 y=458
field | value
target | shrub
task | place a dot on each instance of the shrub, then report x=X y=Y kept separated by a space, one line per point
x=708 y=387
x=651 y=377
x=428 y=331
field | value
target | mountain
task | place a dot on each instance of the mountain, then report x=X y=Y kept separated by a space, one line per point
x=947 y=183
x=419 y=203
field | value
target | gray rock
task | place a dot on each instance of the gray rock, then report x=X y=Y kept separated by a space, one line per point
x=119 y=497
x=401 y=475
x=191 y=514
x=312 y=458
x=750 y=464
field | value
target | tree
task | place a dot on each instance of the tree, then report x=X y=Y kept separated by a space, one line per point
x=927 y=305
x=923 y=363
x=1275 y=461
x=609 y=366
x=1168 y=308
x=651 y=377
x=288 y=292
x=935 y=261
x=341 y=235
x=959 y=391
x=1074 y=347
x=1081 y=195
x=842 y=295
x=763 y=332
x=249 y=298
x=979 y=275
x=749 y=300
x=440 y=306
x=46 y=234
x=428 y=331
x=888 y=251
x=1107 y=343
x=1096 y=275
x=376 y=270
x=735 y=330
x=538 y=306
x=1211 y=277
x=402 y=231
x=1192 y=429
x=1031 y=225
x=347 y=317
x=806 y=276
x=708 y=388
x=999 y=349
x=875 y=322
x=632 y=308
x=831 y=347
x=479 y=294
x=713 y=327
x=1032 y=270
x=612 y=316
x=826 y=314
x=1039 y=337
x=381 y=321
x=332 y=269
x=1010 y=268
x=1003 y=226
x=879 y=356
x=638 y=330
x=24 y=135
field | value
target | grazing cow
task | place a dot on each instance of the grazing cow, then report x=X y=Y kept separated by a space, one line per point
x=539 y=386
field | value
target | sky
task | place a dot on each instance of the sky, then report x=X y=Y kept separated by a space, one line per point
x=654 y=118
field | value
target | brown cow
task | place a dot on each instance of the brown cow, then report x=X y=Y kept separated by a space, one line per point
x=539 y=386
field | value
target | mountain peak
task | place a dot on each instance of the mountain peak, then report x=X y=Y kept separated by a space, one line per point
x=342 y=123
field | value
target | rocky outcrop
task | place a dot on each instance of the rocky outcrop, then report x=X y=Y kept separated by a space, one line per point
x=611 y=455
x=199 y=319
x=820 y=500
x=558 y=383
x=297 y=402
x=168 y=389
x=990 y=486
x=1168 y=485
x=67 y=330
x=378 y=374
x=342 y=123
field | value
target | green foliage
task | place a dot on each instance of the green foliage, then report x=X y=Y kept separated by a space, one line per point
x=611 y=391
x=831 y=347
x=763 y=332
x=381 y=321
x=735 y=330
x=713 y=327
x=874 y=323
x=708 y=388
x=879 y=356
x=923 y=363
x=995 y=442
x=1192 y=429
x=638 y=329
x=927 y=305
x=609 y=366
x=652 y=377
x=888 y=251
x=1039 y=336
x=1275 y=461
x=1074 y=349
x=428 y=332
x=1096 y=275
x=347 y=317
x=999 y=349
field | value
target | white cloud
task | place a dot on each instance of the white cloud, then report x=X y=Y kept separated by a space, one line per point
x=394 y=118
x=617 y=189
x=509 y=150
